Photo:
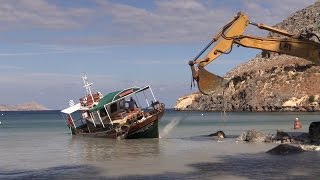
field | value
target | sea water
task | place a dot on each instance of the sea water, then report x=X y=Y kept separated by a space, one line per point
x=38 y=145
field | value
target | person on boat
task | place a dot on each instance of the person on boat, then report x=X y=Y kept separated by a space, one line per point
x=131 y=104
x=69 y=120
x=297 y=124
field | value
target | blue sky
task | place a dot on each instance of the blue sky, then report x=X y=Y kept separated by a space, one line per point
x=45 y=45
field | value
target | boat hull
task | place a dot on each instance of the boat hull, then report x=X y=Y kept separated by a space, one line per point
x=150 y=130
x=146 y=129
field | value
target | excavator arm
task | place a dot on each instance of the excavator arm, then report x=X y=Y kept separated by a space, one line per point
x=232 y=33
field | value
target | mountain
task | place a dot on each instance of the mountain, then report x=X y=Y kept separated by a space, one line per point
x=276 y=83
x=31 y=106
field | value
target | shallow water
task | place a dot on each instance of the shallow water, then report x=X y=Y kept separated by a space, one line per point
x=37 y=145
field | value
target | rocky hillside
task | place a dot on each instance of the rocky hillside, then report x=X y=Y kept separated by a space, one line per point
x=32 y=106
x=305 y=19
x=276 y=83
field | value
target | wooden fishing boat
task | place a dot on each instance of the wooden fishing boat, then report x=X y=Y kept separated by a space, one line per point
x=118 y=114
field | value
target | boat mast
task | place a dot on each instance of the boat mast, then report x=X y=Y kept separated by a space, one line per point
x=87 y=85
x=154 y=98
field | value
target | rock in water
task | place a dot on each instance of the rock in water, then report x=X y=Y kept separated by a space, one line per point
x=252 y=135
x=301 y=138
x=283 y=137
x=219 y=134
x=285 y=149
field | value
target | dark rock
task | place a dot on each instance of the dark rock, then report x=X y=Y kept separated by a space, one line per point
x=252 y=135
x=268 y=139
x=285 y=149
x=283 y=137
x=219 y=134
x=301 y=138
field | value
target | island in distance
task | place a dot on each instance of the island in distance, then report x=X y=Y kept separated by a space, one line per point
x=30 y=106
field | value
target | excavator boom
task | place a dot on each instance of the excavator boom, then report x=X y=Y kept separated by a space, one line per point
x=307 y=49
x=232 y=33
x=234 y=28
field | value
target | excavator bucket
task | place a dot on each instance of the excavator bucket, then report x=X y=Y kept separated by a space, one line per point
x=209 y=83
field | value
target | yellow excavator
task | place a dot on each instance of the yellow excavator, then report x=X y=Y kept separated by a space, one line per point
x=231 y=34
x=299 y=45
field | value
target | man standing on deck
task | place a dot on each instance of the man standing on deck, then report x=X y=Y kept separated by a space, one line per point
x=132 y=103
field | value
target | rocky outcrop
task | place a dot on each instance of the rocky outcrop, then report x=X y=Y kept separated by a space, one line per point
x=252 y=135
x=283 y=137
x=186 y=102
x=288 y=149
x=275 y=83
x=285 y=149
x=32 y=106
x=280 y=83
x=300 y=21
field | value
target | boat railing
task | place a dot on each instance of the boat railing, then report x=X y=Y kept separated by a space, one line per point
x=154 y=108
x=157 y=106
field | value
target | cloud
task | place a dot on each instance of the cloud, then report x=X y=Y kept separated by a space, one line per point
x=2 y=67
x=40 y=14
x=273 y=11
x=154 y=62
x=30 y=53
x=168 y=21
x=48 y=49
x=49 y=79
x=175 y=21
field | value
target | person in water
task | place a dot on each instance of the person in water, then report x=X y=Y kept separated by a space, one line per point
x=297 y=124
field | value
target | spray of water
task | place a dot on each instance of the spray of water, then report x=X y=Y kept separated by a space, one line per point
x=168 y=128
x=310 y=147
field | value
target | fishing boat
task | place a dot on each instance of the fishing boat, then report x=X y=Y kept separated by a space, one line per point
x=122 y=114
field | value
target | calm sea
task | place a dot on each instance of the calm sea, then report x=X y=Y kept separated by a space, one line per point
x=38 y=145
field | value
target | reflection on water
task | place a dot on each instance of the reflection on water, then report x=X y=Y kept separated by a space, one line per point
x=103 y=150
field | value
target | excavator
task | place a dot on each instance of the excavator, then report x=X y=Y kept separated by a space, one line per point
x=299 y=45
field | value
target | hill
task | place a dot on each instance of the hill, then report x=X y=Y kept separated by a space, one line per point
x=31 y=106
x=273 y=83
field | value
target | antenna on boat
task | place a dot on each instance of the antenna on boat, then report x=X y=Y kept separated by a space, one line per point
x=87 y=85
x=71 y=103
